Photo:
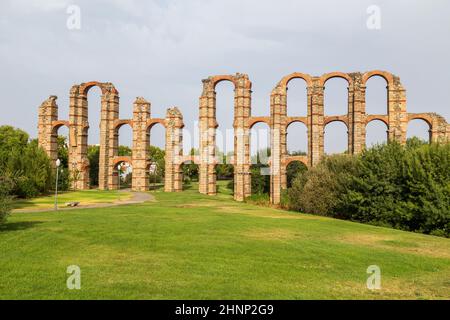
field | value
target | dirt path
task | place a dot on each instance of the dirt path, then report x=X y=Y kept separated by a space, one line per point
x=136 y=197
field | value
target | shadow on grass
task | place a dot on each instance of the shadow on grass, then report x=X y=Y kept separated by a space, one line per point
x=17 y=226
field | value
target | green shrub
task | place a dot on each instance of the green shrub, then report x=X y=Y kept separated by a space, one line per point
x=6 y=185
x=260 y=181
x=261 y=199
x=318 y=189
x=24 y=161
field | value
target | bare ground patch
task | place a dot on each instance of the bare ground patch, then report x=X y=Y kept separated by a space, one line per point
x=271 y=234
x=399 y=244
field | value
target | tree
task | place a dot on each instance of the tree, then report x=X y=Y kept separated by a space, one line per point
x=190 y=170
x=93 y=154
x=124 y=151
x=63 y=156
x=224 y=170
x=405 y=187
x=25 y=162
x=157 y=155
x=6 y=185
x=292 y=170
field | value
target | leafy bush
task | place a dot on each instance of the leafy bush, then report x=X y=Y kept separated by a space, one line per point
x=261 y=199
x=260 y=181
x=405 y=187
x=6 y=184
x=293 y=170
x=318 y=189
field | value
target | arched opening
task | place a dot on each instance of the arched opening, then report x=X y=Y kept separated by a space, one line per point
x=94 y=106
x=225 y=118
x=376 y=133
x=61 y=133
x=260 y=156
x=224 y=150
x=297 y=139
x=123 y=174
x=156 y=156
x=336 y=138
x=297 y=98
x=124 y=140
x=189 y=175
x=335 y=96
x=224 y=178
x=259 y=143
x=419 y=128
x=376 y=95
x=293 y=169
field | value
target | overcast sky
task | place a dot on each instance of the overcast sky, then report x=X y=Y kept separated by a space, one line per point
x=162 y=49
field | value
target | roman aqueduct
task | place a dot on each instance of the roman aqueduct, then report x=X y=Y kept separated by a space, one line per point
x=356 y=120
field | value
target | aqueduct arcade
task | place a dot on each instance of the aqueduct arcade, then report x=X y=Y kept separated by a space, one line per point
x=356 y=119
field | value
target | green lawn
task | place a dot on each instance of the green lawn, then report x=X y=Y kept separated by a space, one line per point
x=190 y=246
x=87 y=197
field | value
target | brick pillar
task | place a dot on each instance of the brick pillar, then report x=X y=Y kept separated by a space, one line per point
x=141 y=142
x=47 y=137
x=316 y=121
x=440 y=130
x=78 y=131
x=357 y=117
x=398 y=118
x=283 y=138
x=207 y=128
x=174 y=150
x=109 y=139
x=277 y=109
x=242 y=111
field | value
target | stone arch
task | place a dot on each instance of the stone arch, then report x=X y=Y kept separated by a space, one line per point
x=386 y=90
x=152 y=122
x=376 y=119
x=297 y=105
x=215 y=80
x=421 y=116
x=330 y=119
x=336 y=120
x=255 y=120
x=105 y=87
x=293 y=161
x=336 y=75
x=296 y=75
x=119 y=123
x=187 y=160
x=389 y=77
x=117 y=160
x=115 y=171
x=208 y=128
x=258 y=153
x=292 y=122
x=79 y=121
x=381 y=118
x=416 y=118
x=302 y=159
x=53 y=147
x=328 y=76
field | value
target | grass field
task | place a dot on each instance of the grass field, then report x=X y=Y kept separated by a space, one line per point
x=190 y=246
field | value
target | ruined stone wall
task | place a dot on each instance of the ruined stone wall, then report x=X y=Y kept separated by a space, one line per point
x=396 y=119
x=110 y=124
